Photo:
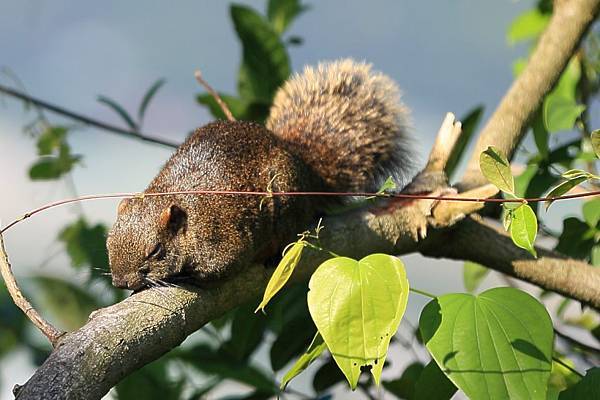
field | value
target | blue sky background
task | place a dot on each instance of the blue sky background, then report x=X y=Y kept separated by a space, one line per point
x=445 y=55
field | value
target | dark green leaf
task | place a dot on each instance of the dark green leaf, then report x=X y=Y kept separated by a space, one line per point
x=86 y=245
x=433 y=384
x=496 y=345
x=116 y=107
x=576 y=239
x=470 y=122
x=294 y=338
x=67 y=302
x=540 y=135
x=317 y=346
x=404 y=386
x=473 y=274
x=150 y=383
x=221 y=364
x=327 y=376
x=265 y=61
x=247 y=330
x=147 y=97
x=282 y=12
x=586 y=389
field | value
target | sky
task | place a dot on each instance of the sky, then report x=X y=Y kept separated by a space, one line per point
x=445 y=56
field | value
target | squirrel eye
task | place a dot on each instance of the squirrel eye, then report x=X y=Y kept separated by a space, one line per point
x=157 y=252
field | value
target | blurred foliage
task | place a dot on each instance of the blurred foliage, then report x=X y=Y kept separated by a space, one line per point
x=230 y=348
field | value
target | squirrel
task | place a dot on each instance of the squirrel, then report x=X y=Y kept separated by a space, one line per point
x=337 y=127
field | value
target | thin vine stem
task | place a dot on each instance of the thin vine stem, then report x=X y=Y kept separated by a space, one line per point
x=423 y=293
x=292 y=194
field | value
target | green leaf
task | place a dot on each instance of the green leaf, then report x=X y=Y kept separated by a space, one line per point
x=470 y=122
x=591 y=212
x=282 y=12
x=528 y=25
x=523 y=228
x=152 y=382
x=86 y=245
x=576 y=239
x=562 y=377
x=51 y=139
x=68 y=303
x=282 y=273
x=247 y=331
x=293 y=340
x=404 y=386
x=595 y=138
x=560 y=114
x=540 y=135
x=433 y=384
x=564 y=187
x=496 y=345
x=147 y=97
x=574 y=173
x=266 y=63
x=313 y=352
x=327 y=376
x=595 y=256
x=237 y=106
x=560 y=108
x=587 y=388
x=388 y=185
x=496 y=168
x=116 y=107
x=473 y=274
x=357 y=307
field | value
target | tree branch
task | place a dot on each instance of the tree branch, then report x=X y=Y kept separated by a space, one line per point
x=120 y=339
x=496 y=250
x=505 y=129
x=84 y=119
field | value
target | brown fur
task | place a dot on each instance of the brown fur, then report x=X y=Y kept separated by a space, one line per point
x=339 y=127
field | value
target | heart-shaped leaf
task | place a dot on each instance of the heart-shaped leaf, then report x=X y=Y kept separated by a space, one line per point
x=357 y=307
x=497 y=345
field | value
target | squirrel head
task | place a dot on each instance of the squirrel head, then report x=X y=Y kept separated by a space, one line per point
x=145 y=243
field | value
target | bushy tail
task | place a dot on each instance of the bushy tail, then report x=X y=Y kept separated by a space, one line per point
x=347 y=123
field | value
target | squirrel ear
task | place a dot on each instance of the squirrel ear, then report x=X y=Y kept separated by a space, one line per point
x=122 y=205
x=173 y=217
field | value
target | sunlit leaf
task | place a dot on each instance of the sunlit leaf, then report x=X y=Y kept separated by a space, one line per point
x=357 y=307
x=388 y=185
x=523 y=228
x=595 y=138
x=51 y=139
x=591 y=212
x=496 y=168
x=528 y=25
x=116 y=107
x=282 y=273
x=473 y=274
x=313 y=352
x=561 y=113
x=147 y=97
x=564 y=187
x=561 y=377
x=497 y=345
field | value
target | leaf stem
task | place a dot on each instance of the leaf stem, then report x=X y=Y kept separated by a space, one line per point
x=422 y=293
x=567 y=366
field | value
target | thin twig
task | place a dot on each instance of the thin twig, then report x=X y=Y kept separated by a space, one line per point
x=84 y=119
x=215 y=95
x=404 y=196
x=44 y=326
